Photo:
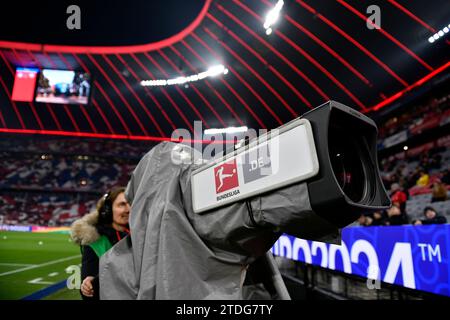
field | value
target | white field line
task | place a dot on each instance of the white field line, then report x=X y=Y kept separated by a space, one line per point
x=39 y=281
x=16 y=264
x=39 y=265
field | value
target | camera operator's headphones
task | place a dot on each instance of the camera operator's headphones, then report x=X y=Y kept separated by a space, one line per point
x=106 y=212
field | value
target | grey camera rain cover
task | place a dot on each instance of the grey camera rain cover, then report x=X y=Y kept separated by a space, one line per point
x=174 y=253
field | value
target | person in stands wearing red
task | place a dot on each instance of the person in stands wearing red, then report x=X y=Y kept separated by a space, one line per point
x=398 y=196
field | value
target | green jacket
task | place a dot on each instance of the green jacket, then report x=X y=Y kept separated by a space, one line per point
x=101 y=245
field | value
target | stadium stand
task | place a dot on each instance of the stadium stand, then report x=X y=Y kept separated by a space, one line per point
x=412 y=140
x=54 y=182
x=51 y=171
x=435 y=112
x=44 y=209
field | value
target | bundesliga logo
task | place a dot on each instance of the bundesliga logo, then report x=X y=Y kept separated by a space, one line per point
x=226 y=176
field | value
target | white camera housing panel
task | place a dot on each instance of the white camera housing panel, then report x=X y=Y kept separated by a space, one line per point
x=279 y=158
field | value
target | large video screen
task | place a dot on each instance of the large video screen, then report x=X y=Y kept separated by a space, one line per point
x=63 y=86
x=24 y=84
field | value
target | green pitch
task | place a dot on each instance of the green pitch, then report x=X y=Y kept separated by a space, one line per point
x=30 y=262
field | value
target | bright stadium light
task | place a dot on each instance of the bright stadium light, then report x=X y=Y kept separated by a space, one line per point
x=215 y=70
x=272 y=17
x=226 y=130
x=211 y=72
x=439 y=34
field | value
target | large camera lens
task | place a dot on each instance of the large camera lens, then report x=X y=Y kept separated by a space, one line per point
x=350 y=162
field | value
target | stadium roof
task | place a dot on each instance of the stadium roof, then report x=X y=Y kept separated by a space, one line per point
x=317 y=51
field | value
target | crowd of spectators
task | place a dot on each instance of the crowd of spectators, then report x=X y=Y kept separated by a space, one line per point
x=53 y=182
x=418 y=180
x=44 y=209
x=418 y=187
x=421 y=170
x=94 y=147
x=71 y=173
x=434 y=109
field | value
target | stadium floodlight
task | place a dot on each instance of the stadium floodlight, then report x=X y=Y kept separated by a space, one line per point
x=439 y=34
x=228 y=130
x=273 y=16
x=211 y=72
x=215 y=70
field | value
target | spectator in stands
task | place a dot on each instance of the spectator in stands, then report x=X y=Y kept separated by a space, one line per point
x=439 y=191
x=424 y=162
x=405 y=171
x=412 y=179
x=423 y=180
x=403 y=182
x=363 y=221
x=436 y=161
x=96 y=233
x=395 y=217
x=397 y=195
x=431 y=217
x=378 y=218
